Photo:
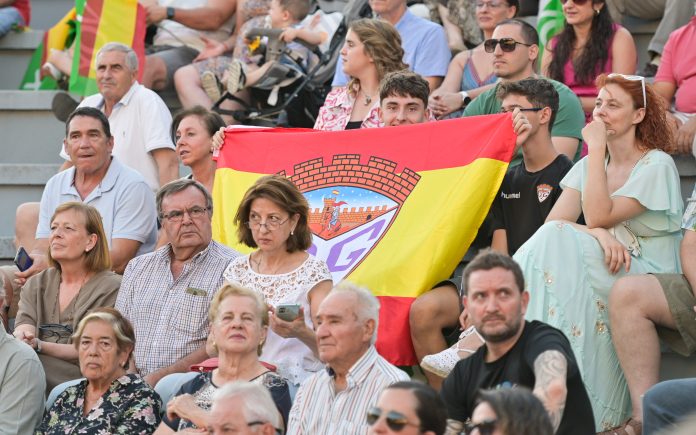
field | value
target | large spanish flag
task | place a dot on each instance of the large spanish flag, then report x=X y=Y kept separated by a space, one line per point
x=392 y=209
x=100 y=22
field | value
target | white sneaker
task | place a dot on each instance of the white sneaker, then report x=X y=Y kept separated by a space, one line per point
x=443 y=362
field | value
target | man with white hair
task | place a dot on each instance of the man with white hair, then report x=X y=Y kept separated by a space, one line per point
x=336 y=400
x=244 y=408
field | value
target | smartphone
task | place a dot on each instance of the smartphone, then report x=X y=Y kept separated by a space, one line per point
x=288 y=312
x=22 y=259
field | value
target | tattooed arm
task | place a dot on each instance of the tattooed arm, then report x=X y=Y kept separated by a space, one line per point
x=550 y=371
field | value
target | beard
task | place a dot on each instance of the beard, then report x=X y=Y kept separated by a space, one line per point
x=511 y=328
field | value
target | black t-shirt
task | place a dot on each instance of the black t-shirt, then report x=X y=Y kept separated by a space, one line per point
x=460 y=388
x=526 y=198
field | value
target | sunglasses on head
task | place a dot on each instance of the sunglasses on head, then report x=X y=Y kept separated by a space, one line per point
x=395 y=420
x=640 y=79
x=577 y=2
x=486 y=427
x=506 y=44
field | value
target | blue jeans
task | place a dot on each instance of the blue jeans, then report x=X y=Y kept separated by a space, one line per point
x=9 y=16
x=666 y=403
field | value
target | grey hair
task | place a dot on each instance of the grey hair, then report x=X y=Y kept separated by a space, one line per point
x=257 y=403
x=131 y=57
x=367 y=307
x=177 y=186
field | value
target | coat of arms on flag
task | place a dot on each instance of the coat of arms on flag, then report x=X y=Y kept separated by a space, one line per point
x=392 y=209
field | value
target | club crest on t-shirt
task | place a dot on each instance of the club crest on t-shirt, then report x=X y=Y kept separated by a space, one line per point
x=543 y=192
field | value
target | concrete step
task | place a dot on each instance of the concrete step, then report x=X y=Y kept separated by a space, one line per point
x=16 y=50
x=29 y=128
x=46 y=13
x=19 y=183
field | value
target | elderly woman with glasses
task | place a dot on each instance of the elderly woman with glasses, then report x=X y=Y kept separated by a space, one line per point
x=79 y=279
x=589 y=44
x=274 y=218
x=108 y=400
x=627 y=189
x=238 y=329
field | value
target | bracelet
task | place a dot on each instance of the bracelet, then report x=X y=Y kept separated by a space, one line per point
x=38 y=345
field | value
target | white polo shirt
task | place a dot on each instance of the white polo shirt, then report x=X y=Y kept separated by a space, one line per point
x=140 y=123
x=124 y=200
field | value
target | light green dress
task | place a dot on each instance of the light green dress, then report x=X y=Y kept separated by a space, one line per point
x=569 y=282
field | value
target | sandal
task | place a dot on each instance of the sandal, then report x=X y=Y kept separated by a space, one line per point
x=629 y=427
x=236 y=79
x=211 y=85
x=442 y=363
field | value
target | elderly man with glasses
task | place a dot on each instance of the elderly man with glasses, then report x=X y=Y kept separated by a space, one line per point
x=166 y=294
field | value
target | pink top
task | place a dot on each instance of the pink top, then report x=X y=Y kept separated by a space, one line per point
x=335 y=112
x=678 y=66
x=586 y=89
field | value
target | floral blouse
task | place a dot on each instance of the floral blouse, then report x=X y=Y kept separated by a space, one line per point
x=130 y=407
x=335 y=113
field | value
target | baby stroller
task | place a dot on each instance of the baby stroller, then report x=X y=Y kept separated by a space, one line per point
x=286 y=96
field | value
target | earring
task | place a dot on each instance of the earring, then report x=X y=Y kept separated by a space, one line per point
x=292 y=232
x=596 y=11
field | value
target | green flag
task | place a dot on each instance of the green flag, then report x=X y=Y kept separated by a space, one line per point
x=550 y=21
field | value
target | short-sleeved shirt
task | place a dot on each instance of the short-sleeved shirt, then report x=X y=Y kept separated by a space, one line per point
x=123 y=198
x=526 y=198
x=425 y=48
x=516 y=367
x=569 y=122
x=170 y=316
x=335 y=112
x=140 y=124
x=678 y=66
x=128 y=407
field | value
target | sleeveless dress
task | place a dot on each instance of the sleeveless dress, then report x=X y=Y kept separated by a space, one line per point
x=569 y=282
x=293 y=359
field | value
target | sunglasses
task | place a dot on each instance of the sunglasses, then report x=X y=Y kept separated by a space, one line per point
x=640 y=79
x=486 y=427
x=395 y=420
x=577 y=2
x=506 y=44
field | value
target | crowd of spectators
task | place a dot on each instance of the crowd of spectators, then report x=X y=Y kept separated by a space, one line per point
x=592 y=255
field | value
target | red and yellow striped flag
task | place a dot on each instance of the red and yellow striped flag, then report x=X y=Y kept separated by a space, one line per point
x=101 y=22
x=392 y=209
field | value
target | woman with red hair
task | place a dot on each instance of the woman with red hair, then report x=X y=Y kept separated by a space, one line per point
x=627 y=189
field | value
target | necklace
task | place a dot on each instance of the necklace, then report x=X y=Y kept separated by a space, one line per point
x=258 y=266
x=368 y=98
x=639 y=159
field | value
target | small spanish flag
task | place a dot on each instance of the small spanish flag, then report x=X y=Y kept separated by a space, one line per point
x=393 y=209
x=101 y=22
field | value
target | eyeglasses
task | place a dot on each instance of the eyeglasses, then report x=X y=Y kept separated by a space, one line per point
x=506 y=44
x=395 y=420
x=640 y=79
x=55 y=332
x=522 y=109
x=491 y=5
x=272 y=222
x=485 y=427
x=577 y=2
x=194 y=212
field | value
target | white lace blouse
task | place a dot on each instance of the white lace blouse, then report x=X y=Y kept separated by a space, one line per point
x=294 y=360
